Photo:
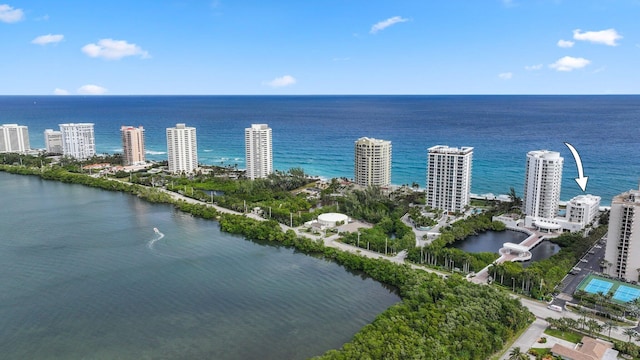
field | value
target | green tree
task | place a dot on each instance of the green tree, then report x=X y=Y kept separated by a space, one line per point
x=610 y=325
x=517 y=354
x=630 y=332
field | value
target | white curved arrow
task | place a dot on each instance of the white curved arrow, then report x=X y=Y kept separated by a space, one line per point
x=581 y=179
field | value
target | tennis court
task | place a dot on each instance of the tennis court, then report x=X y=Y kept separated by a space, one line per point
x=626 y=293
x=622 y=292
x=597 y=285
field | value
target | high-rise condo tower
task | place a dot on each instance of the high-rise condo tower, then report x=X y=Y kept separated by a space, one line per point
x=133 y=152
x=449 y=177
x=182 y=149
x=543 y=177
x=258 y=151
x=14 y=138
x=78 y=140
x=622 y=254
x=372 y=160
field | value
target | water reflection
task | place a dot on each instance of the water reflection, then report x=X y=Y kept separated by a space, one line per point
x=492 y=241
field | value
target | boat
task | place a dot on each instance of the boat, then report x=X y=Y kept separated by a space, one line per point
x=156 y=230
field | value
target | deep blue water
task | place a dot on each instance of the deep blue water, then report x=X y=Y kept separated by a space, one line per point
x=84 y=276
x=317 y=132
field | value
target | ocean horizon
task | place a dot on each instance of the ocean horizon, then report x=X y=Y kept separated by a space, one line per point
x=317 y=132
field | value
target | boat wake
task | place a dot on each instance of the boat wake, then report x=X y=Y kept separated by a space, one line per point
x=154 y=240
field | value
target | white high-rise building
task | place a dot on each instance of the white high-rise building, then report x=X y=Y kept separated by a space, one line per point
x=133 y=152
x=53 y=141
x=182 y=149
x=14 y=138
x=372 y=162
x=622 y=254
x=543 y=177
x=449 y=177
x=258 y=151
x=78 y=140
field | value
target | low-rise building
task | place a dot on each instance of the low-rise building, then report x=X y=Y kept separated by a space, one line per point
x=581 y=211
x=588 y=349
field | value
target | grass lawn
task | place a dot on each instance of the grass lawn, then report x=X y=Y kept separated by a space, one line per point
x=567 y=335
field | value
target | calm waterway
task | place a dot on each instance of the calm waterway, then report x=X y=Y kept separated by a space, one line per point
x=491 y=241
x=84 y=275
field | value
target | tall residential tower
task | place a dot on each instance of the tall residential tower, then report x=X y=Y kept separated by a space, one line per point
x=372 y=162
x=78 y=140
x=543 y=177
x=449 y=177
x=622 y=255
x=14 y=138
x=258 y=151
x=132 y=145
x=182 y=149
x=53 y=141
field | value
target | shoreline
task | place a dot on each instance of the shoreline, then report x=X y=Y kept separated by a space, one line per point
x=413 y=286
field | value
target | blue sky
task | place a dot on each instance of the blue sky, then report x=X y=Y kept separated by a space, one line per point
x=244 y=47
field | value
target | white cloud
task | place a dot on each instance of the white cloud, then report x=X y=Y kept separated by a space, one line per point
x=605 y=37
x=569 y=63
x=47 y=39
x=282 y=81
x=58 y=91
x=386 y=23
x=9 y=14
x=508 y=3
x=533 y=67
x=505 y=76
x=91 y=89
x=114 y=49
x=565 y=43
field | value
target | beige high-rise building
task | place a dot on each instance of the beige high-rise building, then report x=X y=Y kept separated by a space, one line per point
x=449 y=177
x=372 y=162
x=133 y=152
x=78 y=140
x=258 y=151
x=182 y=149
x=622 y=254
x=53 y=141
x=14 y=138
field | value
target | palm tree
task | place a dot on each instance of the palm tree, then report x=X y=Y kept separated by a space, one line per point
x=582 y=312
x=610 y=325
x=516 y=354
x=630 y=332
x=593 y=326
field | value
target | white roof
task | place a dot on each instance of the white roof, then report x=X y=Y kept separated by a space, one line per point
x=332 y=217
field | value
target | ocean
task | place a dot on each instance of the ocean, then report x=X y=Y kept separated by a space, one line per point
x=85 y=276
x=317 y=133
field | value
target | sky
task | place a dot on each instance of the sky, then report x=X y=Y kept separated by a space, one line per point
x=309 y=47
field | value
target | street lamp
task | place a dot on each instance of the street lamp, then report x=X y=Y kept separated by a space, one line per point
x=513 y=284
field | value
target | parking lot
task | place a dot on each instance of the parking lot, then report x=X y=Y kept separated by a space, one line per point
x=589 y=263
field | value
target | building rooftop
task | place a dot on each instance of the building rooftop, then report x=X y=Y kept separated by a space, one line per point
x=443 y=149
